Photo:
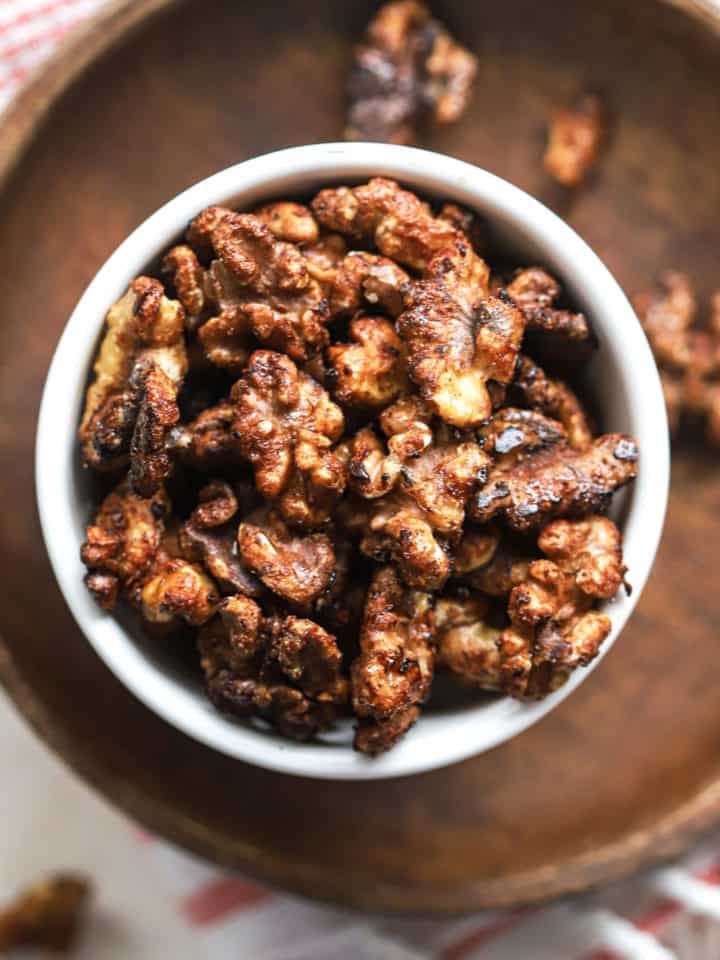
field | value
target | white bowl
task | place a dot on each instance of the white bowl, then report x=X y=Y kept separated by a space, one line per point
x=624 y=379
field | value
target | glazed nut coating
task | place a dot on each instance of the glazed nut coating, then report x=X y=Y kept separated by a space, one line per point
x=47 y=916
x=345 y=457
x=574 y=140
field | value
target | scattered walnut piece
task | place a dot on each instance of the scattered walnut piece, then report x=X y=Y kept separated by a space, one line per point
x=47 y=915
x=393 y=673
x=458 y=338
x=408 y=70
x=574 y=140
x=467 y=644
x=285 y=424
x=532 y=388
x=370 y=372
x=688 y=357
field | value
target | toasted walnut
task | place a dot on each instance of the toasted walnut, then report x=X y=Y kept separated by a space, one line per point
x=368 y=279
x=208 y=537
x=183 y=268
x=285 y=424
x=274 y=295
x=553 y=630
x=393 y=673
x=561 y=482
x=487 y=561
x=289 y=221
x=574 y=140
x=465 y=222
x=199 y=232
x=512 y=435
x=381 y=212
x=324 y=257
x=243 y=679
x=157 y=414
x=143 y=328
x=369 y=372
x=533 y=388
x=225 y=337
x=688 y=358
x=177 y=590
x=467 y=644
x=48 y=914
x=408 y=70
x=122 y=542
x=297 y=568
x=458 y=339
x=208 y=443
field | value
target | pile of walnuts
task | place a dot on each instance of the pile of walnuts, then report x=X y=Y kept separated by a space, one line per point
x=330 y=458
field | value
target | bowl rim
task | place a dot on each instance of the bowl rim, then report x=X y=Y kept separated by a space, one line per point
x=430 y=744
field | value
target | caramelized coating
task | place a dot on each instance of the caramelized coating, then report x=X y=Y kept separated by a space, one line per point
x=122 y=542
x=366 y=279
x=310 y=658
x=688 y=357
x=285 y=424
x=486 y=561
x=226 y=336
x=533 y=388
x=288 y=221
x=574 y=140
x=408 y=70
x=177 y=590
x=143 y=329
x=48 y=915
x=183 y=268
x=467 y=645
x=399 y=224
x=157 y=414
x=511 y=435
x=370 y=372
x=200 y=230
x=393 y=673
x=208 y=443
x=296 y=567
x=563 y=482
x=324 y=257
x=458 y=339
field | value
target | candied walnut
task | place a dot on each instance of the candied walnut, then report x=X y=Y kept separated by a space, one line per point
x=183 y=268
x=243 y=679
x=574 y=140
x=408 y=70
x=533 y=388
x=368 y=279
x=297 y=568
x=225 y=337
x=157 y=414
x=143 y=328
x=208 y=537
x=467 y=644
x=177 y=590
x=285 y=424
x=292 y=222
x=48 y=914
x=370 y=372
x=458 y=338
x=274 y=296
x=688 y=358
x=200 y=230
x=553 y=630
x=392 y=676
x=486 y=561
x=122 y=542
x=511 y=435
x=466 y=222
x=324 y=257
x=208 y=443
x=381 y=212
x=563 y=482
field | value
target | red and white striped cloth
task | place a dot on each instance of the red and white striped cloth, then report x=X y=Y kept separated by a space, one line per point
x=199 y=911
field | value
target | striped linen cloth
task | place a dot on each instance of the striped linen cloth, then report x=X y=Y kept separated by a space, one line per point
x=154 y=901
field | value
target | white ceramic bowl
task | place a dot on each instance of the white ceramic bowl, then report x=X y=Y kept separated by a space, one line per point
x=624 y=379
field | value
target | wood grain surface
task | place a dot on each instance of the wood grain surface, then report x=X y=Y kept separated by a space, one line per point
x=624 y=772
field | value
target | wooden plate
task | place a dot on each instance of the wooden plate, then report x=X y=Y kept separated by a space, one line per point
x=628 y=769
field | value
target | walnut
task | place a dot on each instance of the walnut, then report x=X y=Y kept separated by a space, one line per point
x=324 y=257
x=177 y=590
x=381 y=212
x=242 y=656
x=465 y=222
x=200 y=230
x=208 y=443
x=144 y=329
x=48 y=915
x=122 y=542
x=225 y=337
x=560 y=482
x=458 y=339
x=533 y=388
x=183 y=268
x=366 y=279
x=274 y=295
x=157 y=414
x=370 y=372
x=208 y=537
x=467 y=644
x=487 y=561
x=285 y=424
x=292 y=222
x=297 y=568
x=408 y=70
x=574 y=140
x=553 y=630
x=391 y=678
x=688 y=358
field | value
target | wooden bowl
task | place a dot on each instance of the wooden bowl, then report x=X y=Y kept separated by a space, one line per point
x=624 y=772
